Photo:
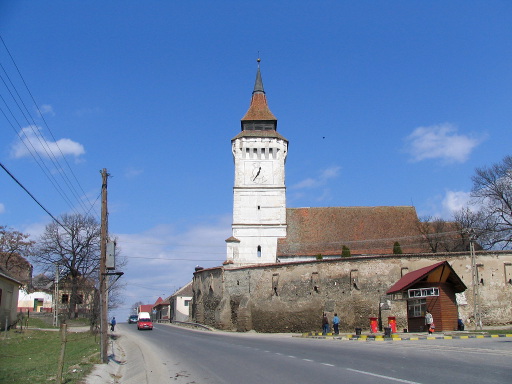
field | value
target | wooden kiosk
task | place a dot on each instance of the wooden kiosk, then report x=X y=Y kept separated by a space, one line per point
x=430 y=288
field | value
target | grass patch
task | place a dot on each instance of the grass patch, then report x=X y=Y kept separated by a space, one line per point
x=498 y=331
x=37 y=322
x=32 y=356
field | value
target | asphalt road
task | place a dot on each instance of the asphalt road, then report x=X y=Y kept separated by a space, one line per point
x=180 y=355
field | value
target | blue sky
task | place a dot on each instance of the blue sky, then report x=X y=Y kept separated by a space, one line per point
x=383 y=103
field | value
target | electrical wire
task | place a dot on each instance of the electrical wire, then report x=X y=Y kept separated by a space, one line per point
x=43 y=145
x=65 y=177
x=32 y=196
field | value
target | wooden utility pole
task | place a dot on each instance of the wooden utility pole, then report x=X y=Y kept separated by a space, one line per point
x=63 y=340
x=103 y=276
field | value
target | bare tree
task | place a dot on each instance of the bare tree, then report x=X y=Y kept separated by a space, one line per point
x=440 y=235
x=75 y=247
x=14 y=248
x=135 y=306
x=492 y=193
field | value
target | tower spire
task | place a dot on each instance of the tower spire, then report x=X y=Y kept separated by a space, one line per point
x=258 y=84
x=259 y=116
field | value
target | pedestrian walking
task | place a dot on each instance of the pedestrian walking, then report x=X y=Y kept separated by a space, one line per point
x=336 y=324
x=113 y=324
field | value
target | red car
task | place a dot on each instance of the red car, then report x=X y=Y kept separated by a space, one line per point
x=144 y=321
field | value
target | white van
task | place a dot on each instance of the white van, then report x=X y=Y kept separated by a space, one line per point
x=144 y=321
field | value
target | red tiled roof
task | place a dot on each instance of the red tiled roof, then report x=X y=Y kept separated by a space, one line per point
x=259 y=110
x=447 y=274
x=145 y=308
x=364 y=230
x=158 y=301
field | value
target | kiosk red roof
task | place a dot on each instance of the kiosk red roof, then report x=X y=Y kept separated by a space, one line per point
x=415 y=276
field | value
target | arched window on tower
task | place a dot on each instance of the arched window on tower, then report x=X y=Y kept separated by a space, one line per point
x=259 y=250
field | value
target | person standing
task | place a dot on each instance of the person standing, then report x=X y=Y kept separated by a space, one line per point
x=325 y=324
x=113 y=324
x=336 y=324
x=429 y=320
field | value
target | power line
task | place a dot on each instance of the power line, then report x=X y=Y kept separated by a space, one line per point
x=32 y=196
x=32 y=135
x=64 y=175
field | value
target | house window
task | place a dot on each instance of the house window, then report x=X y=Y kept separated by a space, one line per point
x=417 y=308
x=65 y=298
x=187 y=303
x=259 y=250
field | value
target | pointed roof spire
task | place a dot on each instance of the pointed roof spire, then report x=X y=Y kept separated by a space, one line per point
x=259 y=117
x=258 y=84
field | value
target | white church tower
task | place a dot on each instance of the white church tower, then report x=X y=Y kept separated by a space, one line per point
x=259 y=194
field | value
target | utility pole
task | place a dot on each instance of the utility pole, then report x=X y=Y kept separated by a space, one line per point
x=56 y=297
x=475 y=283
x=103 y=276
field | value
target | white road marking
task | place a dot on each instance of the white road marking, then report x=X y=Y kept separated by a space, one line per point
x=329 y=365
x=383 y=377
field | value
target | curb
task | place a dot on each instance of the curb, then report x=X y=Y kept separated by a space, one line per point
x=398 y=337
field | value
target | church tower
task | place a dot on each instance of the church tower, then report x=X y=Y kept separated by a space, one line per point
x=259 y=193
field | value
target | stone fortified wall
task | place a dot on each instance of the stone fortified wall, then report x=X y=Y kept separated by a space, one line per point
x=291 y=297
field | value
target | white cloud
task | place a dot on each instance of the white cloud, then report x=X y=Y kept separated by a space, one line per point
x=455 y=200
x=445 y=205
x=440 y=142
x=46 y=109
x=32 y=140
x=2 y=208
x=162 y=259
x=324 y=176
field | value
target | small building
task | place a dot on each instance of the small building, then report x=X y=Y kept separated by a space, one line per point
x=180 y=303
x=9 y=290
x=37 y=301
x=431 y=288
x=38 y=297
x=161 y=310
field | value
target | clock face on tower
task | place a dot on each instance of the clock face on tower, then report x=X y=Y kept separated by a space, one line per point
x=258 y=172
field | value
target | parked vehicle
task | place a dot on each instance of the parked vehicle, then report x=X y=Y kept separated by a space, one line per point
x=133 y=319
x=144 y=321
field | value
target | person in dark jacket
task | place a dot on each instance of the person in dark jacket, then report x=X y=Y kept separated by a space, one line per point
x=325 y=324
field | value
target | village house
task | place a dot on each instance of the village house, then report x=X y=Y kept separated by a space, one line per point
x=9 y=290
x=175 y=307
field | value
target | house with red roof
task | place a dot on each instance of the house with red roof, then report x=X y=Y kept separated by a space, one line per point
x=433 y=289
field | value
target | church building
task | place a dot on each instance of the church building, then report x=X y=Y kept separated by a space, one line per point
x=285 y=267
x=266 y=231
